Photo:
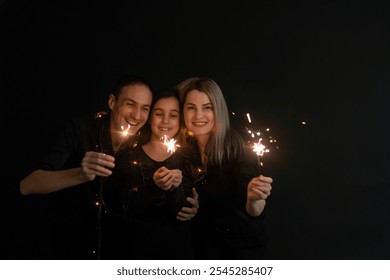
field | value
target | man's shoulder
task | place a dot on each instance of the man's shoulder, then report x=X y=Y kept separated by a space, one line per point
x=87 y=121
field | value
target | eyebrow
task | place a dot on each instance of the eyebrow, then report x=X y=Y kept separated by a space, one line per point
x=132 y=100
x=205 y=104
x=162 y=109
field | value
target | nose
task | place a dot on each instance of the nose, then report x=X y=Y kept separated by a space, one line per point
x=165 y=119
x=136 y=113
x=198 y=114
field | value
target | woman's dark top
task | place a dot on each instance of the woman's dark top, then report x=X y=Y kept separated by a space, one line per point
x=222 y=229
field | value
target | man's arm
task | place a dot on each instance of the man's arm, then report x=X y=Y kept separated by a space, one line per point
x=43 y=182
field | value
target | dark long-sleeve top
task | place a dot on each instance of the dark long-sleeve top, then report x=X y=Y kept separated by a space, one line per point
x=222 y=221
x=73 y=210
x=134 y=194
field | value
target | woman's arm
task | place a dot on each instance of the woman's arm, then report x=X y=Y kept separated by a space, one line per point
x=259 y=188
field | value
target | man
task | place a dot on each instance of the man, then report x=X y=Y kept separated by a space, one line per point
x=72 y=171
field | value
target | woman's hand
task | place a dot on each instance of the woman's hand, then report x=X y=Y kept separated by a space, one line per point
x=259 y=188
x=187 y=213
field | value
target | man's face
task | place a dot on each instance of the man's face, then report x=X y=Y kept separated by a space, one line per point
x=130 y=112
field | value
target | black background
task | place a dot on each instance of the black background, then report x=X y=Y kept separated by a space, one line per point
x=323 y=62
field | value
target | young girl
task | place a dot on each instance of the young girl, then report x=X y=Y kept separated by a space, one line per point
x=155 y=184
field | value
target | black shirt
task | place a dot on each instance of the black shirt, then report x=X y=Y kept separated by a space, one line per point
x=72 y=212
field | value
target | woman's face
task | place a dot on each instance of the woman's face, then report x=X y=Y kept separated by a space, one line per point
x=165 y=118
x=198 y=113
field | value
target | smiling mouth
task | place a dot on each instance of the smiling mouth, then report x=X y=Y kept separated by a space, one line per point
x=164 y=128
x=132 y=123
x=199 y=123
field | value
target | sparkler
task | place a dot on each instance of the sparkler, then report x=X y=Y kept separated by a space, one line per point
x=257 y=145
x=125 y=132
x=170 y=144
x=260 y=150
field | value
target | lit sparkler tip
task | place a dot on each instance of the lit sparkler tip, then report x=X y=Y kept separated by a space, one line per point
x=125 y=132
x=259 y=148
x=171 y=144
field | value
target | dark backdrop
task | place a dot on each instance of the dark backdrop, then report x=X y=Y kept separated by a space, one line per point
x=323 y=62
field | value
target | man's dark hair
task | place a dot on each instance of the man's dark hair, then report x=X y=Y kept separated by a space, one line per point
x=128 y=80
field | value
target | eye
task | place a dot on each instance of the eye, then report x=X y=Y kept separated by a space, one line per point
x=145 y=109
x=190 y=107
x=208 y=107
x=174 y=115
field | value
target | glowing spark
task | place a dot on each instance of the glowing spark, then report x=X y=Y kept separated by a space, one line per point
x=171 y=144
x=249 y=117
x=259 y=148
x=125 y=132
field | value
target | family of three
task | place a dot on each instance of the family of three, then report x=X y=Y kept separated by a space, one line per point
x=118 y=193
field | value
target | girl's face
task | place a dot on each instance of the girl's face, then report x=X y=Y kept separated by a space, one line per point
x=198 y=114
x=165 y=118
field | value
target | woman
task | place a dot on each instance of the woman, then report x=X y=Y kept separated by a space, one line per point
x=229 y=223
x=158 y=201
